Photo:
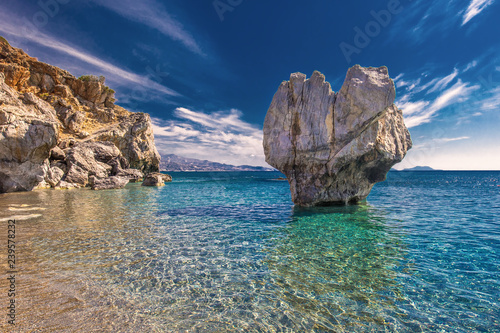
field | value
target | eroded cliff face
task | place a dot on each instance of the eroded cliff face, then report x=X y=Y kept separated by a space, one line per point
x=333 y=147
x=47 y=115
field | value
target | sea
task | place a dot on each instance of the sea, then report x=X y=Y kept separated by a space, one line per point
x=229 y=252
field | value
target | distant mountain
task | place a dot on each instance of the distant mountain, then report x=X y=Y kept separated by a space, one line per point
x=173 y=162
x=421 y=168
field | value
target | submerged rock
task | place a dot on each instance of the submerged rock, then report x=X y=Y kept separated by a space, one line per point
x=333 y=147
x=156 y=179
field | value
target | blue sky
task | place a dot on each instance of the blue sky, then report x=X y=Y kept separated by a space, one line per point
x=207 y=70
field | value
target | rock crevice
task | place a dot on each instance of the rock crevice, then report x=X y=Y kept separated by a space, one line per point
x=338 y=145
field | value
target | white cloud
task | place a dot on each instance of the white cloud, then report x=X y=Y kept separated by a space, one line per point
x=458 y=93
x=492 y=102
x=444 y=140
x=397 y=78
x=410 y=108
x=475 y=7
x=217 y=120
x=435 y=143
x=219 y=136
x=470 y=65
x=153 y=15
x=410 y=85
x=12 y=29
x=401 y=83
x=441 y=84
x=426 y=86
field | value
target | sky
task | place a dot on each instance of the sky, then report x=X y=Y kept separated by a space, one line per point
x=206 y=71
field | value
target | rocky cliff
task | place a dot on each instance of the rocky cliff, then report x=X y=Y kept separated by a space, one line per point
x=333 y=147
x=57 y=130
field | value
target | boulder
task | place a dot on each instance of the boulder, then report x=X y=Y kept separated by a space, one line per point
x=54 y=176
x=86 y=159
x=333 y=147
x=66 y=186
x=77 y=175
x=28 y=132
x=133 y=175
x=57 y=154
x=156 y=179
x=112 y=182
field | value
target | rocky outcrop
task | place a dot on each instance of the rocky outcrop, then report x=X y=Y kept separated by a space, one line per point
x=53 y=122
x=134 y=138
x=28 y=132
x=333 y=147
x=156 y=179
x=101 y=159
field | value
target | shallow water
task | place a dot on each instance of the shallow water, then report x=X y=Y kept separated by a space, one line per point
x=217 y=252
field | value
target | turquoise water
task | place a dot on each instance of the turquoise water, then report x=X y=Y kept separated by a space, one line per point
x=228 y=252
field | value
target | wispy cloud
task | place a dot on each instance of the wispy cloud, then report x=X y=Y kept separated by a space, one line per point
x=422 y=111
x=444 y=82
x=219 y=136
x=475 y=7
x=11 y=29
x=152 y=14
x=432 y=144
x=459 y=92
x=409 y=84
x=470 y=65
x=493 y=101
x=445 y=140
x=422 y=19
x=411 y=108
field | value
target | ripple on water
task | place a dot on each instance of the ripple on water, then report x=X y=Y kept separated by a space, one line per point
x=220 y=252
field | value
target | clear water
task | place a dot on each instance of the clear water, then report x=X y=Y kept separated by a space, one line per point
x=228 y=252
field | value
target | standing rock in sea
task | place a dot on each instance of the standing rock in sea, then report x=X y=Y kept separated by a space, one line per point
x=333 y=147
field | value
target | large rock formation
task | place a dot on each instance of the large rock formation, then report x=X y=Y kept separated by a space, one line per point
x=333 y=147
x=57 y=130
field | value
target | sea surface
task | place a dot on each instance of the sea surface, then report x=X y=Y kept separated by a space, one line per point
x=228 y=252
